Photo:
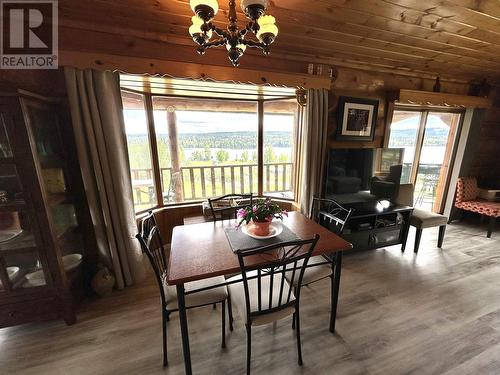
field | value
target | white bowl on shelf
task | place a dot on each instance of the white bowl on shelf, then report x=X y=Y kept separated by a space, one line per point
x=9 y=235
x=36 y=278
x=12 y=272
x=71 y=261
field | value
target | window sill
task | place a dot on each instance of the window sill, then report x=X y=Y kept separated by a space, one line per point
x=188 y=206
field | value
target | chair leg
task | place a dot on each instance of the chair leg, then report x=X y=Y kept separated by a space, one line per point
x=223 y=324
x=214 y=306
x=230 y=311
x=418 y=236
x=168 y=315
x=442 y=229
x=249 y=347
x=293 y=318
x=491 y=226
x=164 y=321
x=297 y=324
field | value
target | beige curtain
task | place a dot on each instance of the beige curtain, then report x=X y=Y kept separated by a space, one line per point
x=313 y=147
x=96 y=111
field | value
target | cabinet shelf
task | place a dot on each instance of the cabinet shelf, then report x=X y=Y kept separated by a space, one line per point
x=12 y=206
x=7 y=160
x=52 y=161
x=24 y=242
x=58 y=198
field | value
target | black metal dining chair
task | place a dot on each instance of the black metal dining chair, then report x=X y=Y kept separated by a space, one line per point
x=265 y=296
x=333 y=216
x=226 y=206
x=152 y=245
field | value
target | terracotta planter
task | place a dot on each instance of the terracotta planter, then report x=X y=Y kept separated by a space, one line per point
x=260 y=228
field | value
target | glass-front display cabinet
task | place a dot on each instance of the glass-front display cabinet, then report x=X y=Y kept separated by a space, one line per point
x=46 y=234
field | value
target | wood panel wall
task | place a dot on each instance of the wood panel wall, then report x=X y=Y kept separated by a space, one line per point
x=486 y=158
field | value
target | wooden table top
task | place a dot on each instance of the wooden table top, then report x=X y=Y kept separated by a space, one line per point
x=200 y=251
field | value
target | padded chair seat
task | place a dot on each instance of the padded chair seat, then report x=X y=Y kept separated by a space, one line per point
x=486 y=208
x=424 y=219
x=205 y=297
x=311 y=274
x=237 y=292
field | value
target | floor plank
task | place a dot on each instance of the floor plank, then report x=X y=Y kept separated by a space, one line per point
x=437 y=312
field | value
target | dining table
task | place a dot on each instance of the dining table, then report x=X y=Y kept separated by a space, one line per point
x=201 y=251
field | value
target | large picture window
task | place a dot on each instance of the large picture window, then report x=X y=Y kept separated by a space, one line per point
x=187 y=149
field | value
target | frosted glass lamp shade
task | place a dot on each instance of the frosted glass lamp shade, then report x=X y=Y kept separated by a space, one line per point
x=254 y=9
x=205 y=9
x=211 y=3
x=196 y=31
x=242 y=47
x=268 y=29
x=247 y=3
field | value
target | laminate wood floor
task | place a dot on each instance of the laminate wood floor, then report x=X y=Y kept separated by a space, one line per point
x=434 y=313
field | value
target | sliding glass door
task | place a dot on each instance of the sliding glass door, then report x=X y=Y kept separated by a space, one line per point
x=428 y=137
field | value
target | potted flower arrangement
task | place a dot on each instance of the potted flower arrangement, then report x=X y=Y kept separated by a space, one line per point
x=261 y=214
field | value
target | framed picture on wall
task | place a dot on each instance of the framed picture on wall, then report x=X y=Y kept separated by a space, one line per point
x=357 y=119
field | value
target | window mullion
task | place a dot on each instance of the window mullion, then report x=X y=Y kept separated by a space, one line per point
x=260 y=147
x=418 y=146
x=154 y=150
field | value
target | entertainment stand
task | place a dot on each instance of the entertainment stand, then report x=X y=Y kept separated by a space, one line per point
x=372 y=226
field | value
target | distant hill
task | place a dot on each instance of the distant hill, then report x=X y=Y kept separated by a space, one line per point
x=433 y=136
x=222 y=140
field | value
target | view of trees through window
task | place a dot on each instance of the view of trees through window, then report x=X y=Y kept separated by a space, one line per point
x=208 y=148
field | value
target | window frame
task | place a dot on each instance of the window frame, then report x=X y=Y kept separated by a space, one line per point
x=424 y=113
x=153 y=147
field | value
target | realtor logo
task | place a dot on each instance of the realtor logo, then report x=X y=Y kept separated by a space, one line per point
x=29 y=34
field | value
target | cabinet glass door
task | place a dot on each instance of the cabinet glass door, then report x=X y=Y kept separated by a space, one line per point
x=56 y=174
x=5 y=150
x=21 y=265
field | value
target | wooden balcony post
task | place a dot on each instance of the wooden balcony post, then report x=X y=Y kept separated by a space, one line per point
x=174 y=154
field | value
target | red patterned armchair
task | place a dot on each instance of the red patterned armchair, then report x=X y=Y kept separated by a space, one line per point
x=467 y=200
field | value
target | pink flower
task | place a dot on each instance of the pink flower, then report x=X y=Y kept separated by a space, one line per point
x=254 y=209
x=241 y=212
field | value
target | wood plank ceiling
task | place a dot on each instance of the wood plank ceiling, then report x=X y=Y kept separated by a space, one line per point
x=451 y=38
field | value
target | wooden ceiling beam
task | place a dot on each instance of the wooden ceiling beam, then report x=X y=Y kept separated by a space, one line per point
x=316 y=34
x=183 y=69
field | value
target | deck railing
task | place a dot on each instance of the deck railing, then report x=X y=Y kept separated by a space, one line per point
x=200 y=182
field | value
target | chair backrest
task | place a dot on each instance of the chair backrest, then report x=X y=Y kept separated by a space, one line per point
x=329 y=214
x=395 y=172
x=225 y=207
x=153 y=246
x=405 y=196
x=267 y=262
x=467 y=189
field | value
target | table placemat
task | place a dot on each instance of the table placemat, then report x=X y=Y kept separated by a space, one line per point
x=241 y=241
